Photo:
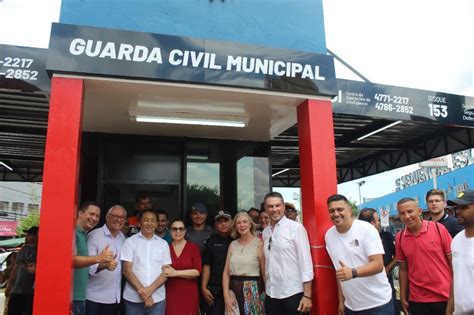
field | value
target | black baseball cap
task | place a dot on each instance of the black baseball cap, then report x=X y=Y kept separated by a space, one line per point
x=462 y=199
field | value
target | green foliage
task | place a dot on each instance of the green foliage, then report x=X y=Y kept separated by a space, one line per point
x=355 y=210
x=32 y=219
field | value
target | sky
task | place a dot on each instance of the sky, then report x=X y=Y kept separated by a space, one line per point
x=422 y=44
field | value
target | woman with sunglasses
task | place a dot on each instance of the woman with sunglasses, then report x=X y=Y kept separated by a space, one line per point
x=182 y=295
x=244 y=269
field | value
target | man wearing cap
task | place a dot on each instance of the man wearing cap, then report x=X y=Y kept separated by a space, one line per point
x=22 y=276
x=199 y=231
x=288 y=263
x=215 y=253
x=436 y=203
x=103 y=287
x=290 y=211
x=423 y=251
x=461 y=299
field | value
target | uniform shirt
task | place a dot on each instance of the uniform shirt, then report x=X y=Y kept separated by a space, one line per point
x=463 y=274
x=147 y=256
x=354 y=248
x=429 y=273
x=288 y=260
x=199 y=236
x=104 y=286
x=215 y=254
x=451 y=224
x=80 y=274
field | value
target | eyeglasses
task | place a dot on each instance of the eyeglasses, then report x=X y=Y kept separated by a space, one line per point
x=270 y=243
x=178 y=229
x=118 y=217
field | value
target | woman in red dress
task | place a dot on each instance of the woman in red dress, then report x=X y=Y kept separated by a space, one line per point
x=182 y=295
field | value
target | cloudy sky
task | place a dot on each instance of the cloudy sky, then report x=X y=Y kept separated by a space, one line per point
x=424 y=44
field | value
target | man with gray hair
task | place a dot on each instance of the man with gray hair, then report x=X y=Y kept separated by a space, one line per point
x=103 y=287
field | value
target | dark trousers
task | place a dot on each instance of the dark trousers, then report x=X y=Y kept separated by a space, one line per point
x=287 y=306
x=434 y=308
x=20 y=304
x=94 y=308
x=218 y=308
x=386 y=309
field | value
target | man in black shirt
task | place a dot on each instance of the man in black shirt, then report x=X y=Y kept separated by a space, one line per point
x=213 y=260
x=436 y=203
x=389 y=261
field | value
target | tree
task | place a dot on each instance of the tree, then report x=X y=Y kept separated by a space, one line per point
x=32 y=219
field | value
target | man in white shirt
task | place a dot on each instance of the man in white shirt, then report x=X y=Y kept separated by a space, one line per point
x=461 y=300
x=143 y=255
x=103 y=286
x=356 y=252
x=288 y=263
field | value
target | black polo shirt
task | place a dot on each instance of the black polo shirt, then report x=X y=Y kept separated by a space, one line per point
x=215 y=254
x=451 y=224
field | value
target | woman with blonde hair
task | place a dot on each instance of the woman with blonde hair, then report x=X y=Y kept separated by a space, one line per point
x=244 y=269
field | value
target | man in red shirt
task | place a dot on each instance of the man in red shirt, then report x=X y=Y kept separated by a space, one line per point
x=423 y=251
x=142 y=203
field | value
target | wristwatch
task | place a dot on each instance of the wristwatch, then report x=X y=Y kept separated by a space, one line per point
x=354 y=273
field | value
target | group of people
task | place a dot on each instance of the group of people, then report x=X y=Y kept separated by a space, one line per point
x=250 y=264
x=259 y=262
x=436 y=271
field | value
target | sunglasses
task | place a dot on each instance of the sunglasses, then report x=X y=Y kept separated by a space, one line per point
x=270 y=243
x=178 y=229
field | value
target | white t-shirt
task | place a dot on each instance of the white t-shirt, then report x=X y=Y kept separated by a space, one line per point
x=147 y=256
x=353 y=248
x=462 y=249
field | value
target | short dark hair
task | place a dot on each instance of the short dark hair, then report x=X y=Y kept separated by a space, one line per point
x=141 y=196
x=178 y=220
x=367 y=214
x=433 y=192
x=148 y=210
x=405 y=200
x=253 y=209
x=337 y=197
x=273 y=194
x=161 y=211
x=86 y=204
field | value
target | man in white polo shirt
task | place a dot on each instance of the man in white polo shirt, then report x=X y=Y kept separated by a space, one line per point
x=288 y=263
x=356 y=252
x=143 y=255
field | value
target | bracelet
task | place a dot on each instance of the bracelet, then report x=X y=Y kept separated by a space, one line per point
x=354 y=273
x=308 y=297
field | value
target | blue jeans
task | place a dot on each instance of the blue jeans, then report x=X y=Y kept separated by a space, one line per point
x=94 y=308
x=386 y=309
x=79 y=307
x=139 y=308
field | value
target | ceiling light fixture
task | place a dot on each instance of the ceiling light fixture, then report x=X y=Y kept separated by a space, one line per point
x=187 y=117
x=6 y=166
x=188 y=121
x=379 y=130
x=279 y=172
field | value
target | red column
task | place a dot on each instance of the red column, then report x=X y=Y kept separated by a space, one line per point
x=59 y=198
x=318 y=181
